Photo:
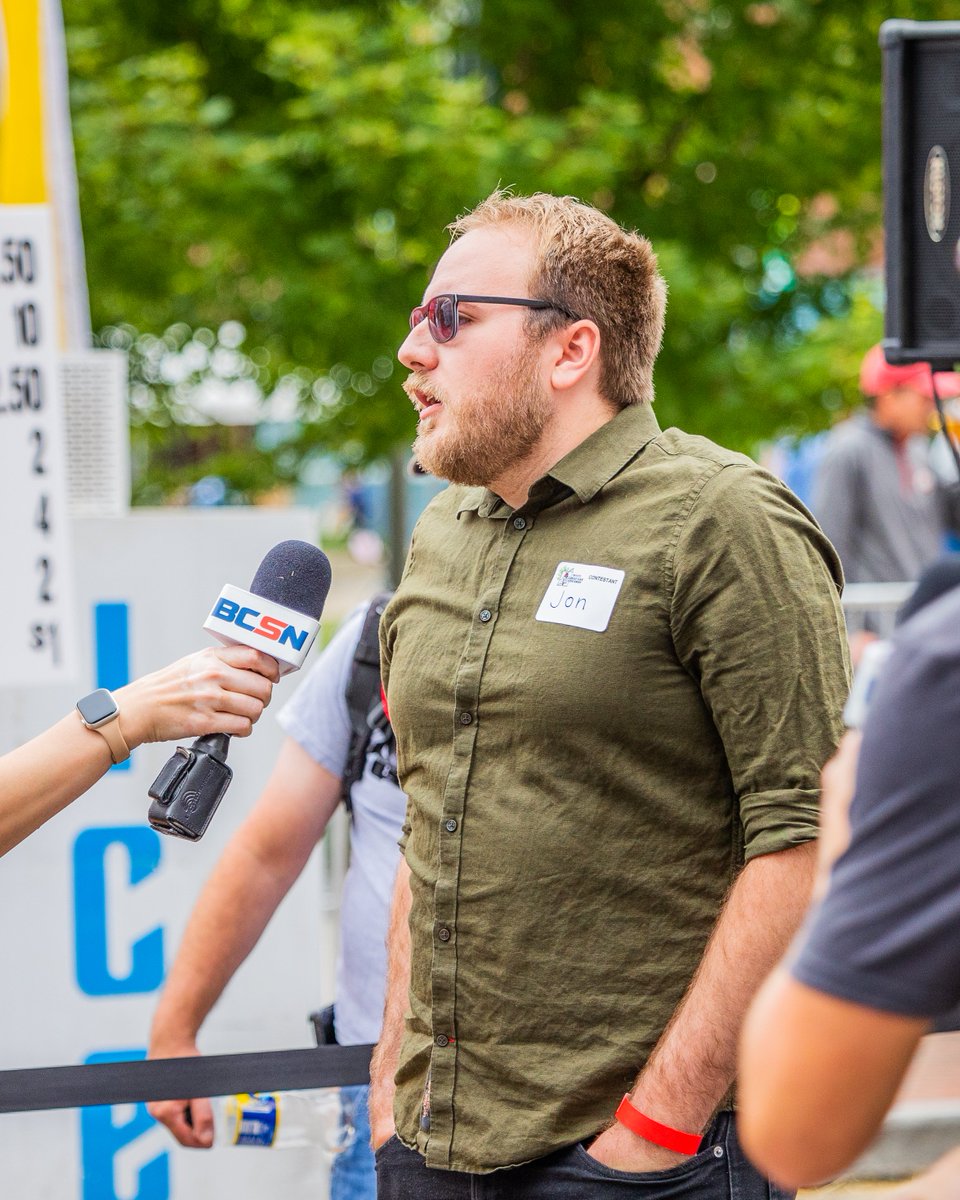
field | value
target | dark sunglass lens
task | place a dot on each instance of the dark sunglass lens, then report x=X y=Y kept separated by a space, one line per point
x=416 y=316
x=444 y=318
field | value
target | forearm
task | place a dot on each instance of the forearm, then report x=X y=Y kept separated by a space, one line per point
x=694 y=1063
x=231 y=913
x=263 y=859
x=210 y=691
x=383 y=1065
x=43 y=776
x=817 y=1075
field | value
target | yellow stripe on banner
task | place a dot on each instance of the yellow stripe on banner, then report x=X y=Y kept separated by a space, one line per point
x=22 y=176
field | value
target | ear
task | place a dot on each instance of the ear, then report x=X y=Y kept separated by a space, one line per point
x=577 y=351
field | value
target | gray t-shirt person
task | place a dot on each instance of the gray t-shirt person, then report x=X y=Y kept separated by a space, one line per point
x=887 y=934
x=316 y=716
x=881 y=504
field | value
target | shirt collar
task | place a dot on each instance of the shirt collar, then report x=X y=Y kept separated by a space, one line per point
x=607 y=451
x=585 y=469
x=479 y=500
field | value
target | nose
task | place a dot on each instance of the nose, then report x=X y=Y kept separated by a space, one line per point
x=418 y=351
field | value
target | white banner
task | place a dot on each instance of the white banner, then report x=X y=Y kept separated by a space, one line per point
x=96 y=900
x=37 y=633
x=36 y=150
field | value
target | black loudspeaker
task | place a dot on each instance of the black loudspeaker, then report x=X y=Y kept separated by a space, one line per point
x=921 y=187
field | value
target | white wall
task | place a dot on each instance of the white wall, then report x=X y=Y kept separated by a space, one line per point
x=167 y=567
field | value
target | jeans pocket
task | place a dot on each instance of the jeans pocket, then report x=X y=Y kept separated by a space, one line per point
x=390 y=1143
x=703 y=1174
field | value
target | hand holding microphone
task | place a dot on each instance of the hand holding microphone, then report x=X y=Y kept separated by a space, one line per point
x=217 y=690
x=279 y=616
x=220 y=689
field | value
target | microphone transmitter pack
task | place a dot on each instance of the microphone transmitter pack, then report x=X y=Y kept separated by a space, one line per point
x=189 y=788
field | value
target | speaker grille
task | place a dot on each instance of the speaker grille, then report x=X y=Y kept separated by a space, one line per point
x=933 y=192
x=921 y=180
x=94 y=386
x=939 y=315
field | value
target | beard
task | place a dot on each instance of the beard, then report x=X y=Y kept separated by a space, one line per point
x=488 y=433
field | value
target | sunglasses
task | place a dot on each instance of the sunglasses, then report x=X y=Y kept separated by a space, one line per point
x=443 y=312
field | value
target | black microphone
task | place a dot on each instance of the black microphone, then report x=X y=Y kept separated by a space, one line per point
x=279 y=615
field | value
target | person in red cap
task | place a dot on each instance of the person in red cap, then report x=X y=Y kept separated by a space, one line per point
x=876 y=495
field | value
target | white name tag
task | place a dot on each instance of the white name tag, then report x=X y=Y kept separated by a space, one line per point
x=581 y=595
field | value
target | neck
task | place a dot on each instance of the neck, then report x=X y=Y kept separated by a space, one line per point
x=572 y=423
x=888 y=415
x=896 y=435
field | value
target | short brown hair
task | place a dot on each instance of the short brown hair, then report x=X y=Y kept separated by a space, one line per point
x=591 y=266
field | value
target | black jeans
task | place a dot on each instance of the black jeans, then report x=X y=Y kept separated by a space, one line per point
x=720 y=1171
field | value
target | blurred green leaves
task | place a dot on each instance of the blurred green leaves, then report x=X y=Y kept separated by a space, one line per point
x=290 y=166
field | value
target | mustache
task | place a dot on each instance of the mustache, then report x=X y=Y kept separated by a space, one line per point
x=418 y=388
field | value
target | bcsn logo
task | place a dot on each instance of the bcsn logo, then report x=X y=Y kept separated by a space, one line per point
x=273 y=628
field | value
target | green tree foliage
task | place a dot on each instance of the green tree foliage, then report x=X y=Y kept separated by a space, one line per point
x=290 y=166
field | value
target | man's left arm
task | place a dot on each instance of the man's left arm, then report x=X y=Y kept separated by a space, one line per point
x=752 y=593
x=693 y=1064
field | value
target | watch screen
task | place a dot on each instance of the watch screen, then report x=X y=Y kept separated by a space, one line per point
x=96 y=706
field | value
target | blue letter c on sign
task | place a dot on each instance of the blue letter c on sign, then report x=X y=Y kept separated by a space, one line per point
x=93 y=910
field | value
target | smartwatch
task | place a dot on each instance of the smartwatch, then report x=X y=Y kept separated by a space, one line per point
x=100 y=711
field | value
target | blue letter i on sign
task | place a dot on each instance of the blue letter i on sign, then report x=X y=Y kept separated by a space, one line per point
x=111 y=641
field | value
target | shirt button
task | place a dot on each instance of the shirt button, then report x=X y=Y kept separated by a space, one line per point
x=485 y=615
x=450 y=826
x=466 y=718
x=444 y=934
x=442 y=1040
x=519 y=523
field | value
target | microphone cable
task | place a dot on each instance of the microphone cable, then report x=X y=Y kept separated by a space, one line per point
x=941 y=413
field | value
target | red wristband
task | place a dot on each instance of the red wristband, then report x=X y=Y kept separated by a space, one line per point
x=653 y=1131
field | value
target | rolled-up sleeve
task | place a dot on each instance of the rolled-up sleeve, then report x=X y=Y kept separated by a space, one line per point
x=754 y=593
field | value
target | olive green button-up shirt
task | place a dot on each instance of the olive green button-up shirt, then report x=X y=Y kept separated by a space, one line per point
x=604 y=701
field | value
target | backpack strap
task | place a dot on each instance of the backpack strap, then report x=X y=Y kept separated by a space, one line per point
x=363 y=696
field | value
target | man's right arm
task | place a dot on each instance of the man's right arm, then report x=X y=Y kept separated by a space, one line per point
x=257 y=869
x=383 y=1065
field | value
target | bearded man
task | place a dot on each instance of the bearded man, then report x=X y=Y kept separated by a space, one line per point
x=614 y=665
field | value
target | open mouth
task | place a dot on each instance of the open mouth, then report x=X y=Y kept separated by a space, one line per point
x=425 y=404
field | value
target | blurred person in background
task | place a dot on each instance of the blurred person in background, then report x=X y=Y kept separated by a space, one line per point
x=831 y=1033
x=264 y=859
x=221 y=690
x=615 y=664
x=876 y=493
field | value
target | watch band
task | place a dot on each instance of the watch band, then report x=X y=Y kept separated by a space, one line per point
x=111 y=733
x=113 y=736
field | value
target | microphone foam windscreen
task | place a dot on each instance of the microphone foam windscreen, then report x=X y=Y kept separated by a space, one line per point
x=296 y=575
